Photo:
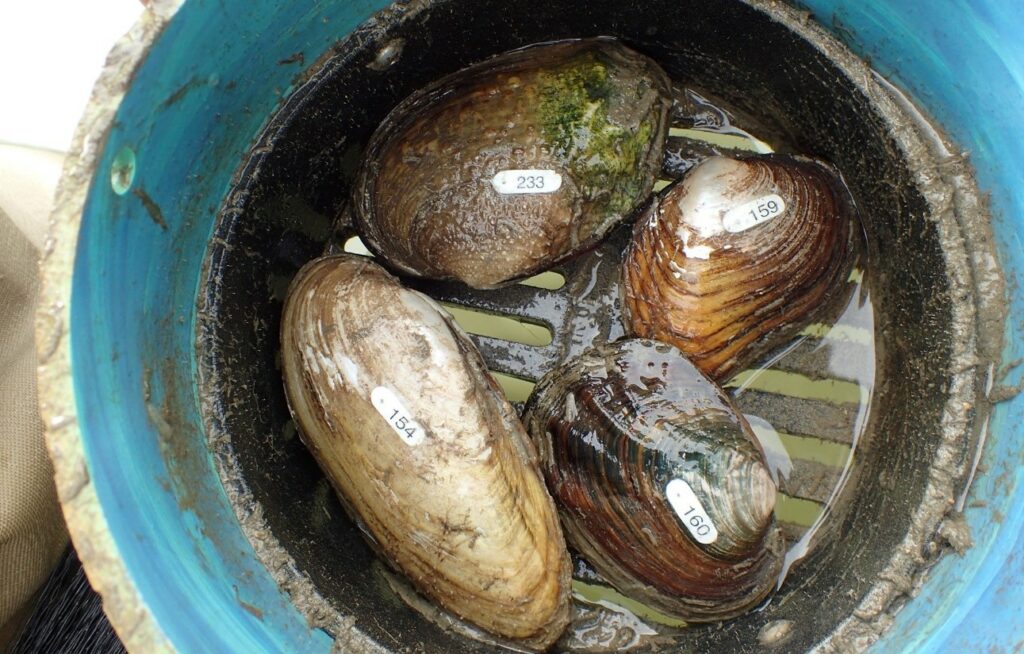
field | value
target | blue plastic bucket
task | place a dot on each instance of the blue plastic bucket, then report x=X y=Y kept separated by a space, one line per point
x=181 y=104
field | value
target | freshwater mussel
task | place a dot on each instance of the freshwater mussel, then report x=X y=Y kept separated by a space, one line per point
x=511 y=165
x=738 y=256
x=423 y=450
x=659 y=481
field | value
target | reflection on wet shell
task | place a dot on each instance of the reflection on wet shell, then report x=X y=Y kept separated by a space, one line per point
x=736 y=258
x=658 y=480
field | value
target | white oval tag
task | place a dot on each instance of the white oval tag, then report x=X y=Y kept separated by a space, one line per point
x=753 y=213
x=509 y=182
x=398 y=418
x=689 y=509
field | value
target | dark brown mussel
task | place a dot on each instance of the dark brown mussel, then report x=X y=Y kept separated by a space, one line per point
x=395 y=403
x=502 y=169
x=739 y=256
x=658 y=480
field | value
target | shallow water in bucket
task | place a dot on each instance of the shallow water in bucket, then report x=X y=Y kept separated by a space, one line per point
x=808 y=401
x=816 y=388
x=815 y=396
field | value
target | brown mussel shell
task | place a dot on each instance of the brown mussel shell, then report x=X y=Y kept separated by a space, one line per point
x=739 y=256
x=395 y=403
x=619 y=430
x=591 y=111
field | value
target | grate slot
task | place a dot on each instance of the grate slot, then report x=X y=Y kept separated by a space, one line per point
x=798 y=385
x=549 y=280
x=499 y=327
x=809 y=448
x=796 y=512
x=516 y=390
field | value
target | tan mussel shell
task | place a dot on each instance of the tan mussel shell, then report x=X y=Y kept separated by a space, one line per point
x=423 y=450
x=592 y=112
x=737 y=257
x=658 y=479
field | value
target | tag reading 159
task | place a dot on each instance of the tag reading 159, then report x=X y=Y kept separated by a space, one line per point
x=753 y=213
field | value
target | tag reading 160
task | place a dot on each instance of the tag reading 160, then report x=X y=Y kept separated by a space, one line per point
x=689 y=509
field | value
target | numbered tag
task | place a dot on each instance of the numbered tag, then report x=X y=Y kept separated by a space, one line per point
x=689 y=509
x=509 y=182
x=753 y=213
x=397 y=416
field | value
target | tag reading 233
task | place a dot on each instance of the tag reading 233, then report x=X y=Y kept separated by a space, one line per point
x=514 y=182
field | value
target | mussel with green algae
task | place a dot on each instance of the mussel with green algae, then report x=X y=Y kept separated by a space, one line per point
x=507 y=167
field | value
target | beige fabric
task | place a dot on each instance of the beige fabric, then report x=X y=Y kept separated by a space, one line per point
x=28 y=178
x=32 y=534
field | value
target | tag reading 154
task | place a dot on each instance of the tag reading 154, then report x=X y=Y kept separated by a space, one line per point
x=397 y=416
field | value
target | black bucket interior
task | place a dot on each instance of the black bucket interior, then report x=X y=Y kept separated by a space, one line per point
x=285 y=207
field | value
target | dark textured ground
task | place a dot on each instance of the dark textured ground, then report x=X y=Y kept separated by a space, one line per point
x=68 y=616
